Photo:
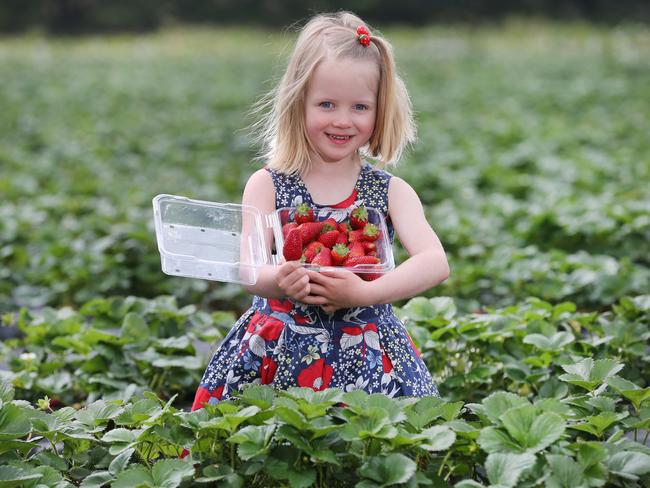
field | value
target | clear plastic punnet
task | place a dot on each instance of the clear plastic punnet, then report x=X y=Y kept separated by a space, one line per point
x=232 y=243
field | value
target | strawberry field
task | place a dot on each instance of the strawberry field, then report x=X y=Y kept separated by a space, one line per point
x=532 y=163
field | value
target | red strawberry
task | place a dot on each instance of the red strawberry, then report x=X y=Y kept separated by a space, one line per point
x=304 y=213
x=292 y=248
x=329 y=238
x=355 y=260
x=359 y=217
x=329 y=224
x=369 y=247
x=339 y=254
x=287 y=227
x=323 y=258
x=370 y=232
x=344 y=228
x=369 y=276
x=355 y=235
x=356 y=249
x=365 y=260
x=309 y=231
x=312 y=249
x=372 y=253
x=342 y=239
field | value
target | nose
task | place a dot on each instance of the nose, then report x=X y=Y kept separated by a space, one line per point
x=341 y=119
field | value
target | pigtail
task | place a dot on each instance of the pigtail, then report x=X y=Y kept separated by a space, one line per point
x=394 y=126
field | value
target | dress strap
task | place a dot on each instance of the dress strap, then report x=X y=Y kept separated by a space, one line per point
x=288 y=189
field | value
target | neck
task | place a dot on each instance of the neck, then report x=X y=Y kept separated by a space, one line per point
x=338 y=167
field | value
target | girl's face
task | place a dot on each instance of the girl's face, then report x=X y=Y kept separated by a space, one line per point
x=340 y=107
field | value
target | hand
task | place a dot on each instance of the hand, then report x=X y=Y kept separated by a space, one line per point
x=291 y=277
x=339 y=289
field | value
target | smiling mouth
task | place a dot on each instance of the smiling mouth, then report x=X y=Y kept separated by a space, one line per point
x=340 y=138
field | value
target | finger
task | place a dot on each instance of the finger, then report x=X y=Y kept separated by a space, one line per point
x=314 y=300
x=299 y=273
x=285 y=269
x=317 y=289
x=298 y=286
x=317 y=277
x=293 y=276
x=335 y=274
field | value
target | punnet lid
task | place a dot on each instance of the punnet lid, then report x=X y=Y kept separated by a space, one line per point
x=211 y=240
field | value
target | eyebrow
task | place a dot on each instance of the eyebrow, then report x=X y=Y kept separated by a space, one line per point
x=361 y=100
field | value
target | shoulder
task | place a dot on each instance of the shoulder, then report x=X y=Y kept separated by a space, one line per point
x=376 y=173
x=259 y=188
x=402 y=196
x=398 y=186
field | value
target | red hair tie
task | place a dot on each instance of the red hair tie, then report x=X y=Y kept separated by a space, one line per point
x=363 y=35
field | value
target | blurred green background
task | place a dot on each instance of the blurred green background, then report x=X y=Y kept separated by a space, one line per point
x=532 y=162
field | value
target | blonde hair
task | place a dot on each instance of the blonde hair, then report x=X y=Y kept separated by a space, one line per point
x=281 y=127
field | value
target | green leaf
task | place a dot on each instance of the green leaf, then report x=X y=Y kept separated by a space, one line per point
x=120 y=461
x=468 y=484
x=134 y=477
x=589 y=374
x=135 y=328
x=259 y=395
x=21 y=446
x=598 y=424
x=119 y=435
x=97 y=413
x=188 y=362
x=97 y=479
x=424 y=411
x=566 y=472
x=6 y=391
x=553 y=405
x=555 y=343
x=423 y=309
x=179 y=342
x=590 y=453
x=635 y=394
x=302 y=479
x=533 y=432
x=554 y=388
x=223 y=472
x=505 y=469
x=629 y=465
x=438 y=438
x=500 y=402
x=169 y=473
x=140 y=411
x=253 y=440
x=492 y=439
x=14 y=424
x=11 y=476
x=389 y=470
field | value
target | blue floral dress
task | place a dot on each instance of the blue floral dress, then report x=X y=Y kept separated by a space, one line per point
x=286 y=343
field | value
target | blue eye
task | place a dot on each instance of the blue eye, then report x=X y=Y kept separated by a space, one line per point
x=361 y=106
x=325 y=104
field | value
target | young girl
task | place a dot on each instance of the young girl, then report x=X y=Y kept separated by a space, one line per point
x=339 y=102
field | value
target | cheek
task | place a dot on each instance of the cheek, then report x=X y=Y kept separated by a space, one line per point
x=314 y=122
x=369 y=124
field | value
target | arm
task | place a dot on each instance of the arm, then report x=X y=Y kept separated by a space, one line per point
x=289 y=279
x=260 y=193
x=427 y=265
x=425 y=268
